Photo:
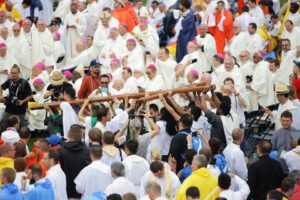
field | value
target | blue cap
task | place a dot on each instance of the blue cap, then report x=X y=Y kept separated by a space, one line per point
x=54 y=139
x=95 y=63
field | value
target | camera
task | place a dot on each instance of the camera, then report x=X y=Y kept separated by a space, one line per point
x=11 y=100
x=249 y=79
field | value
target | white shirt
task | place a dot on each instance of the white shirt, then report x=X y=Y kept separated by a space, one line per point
x=94 y=177
x=121 y=186
x=112 y=154
x=162 y=140
x=242 y=192
x=292 y=159
x=236 y=160
x=135 y=168
x=58 y=179
x=161 y=181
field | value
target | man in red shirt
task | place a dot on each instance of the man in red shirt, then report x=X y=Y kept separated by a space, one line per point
x=90 y=82
x=296 y=82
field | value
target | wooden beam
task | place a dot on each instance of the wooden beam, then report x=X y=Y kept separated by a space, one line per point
x=141 y=96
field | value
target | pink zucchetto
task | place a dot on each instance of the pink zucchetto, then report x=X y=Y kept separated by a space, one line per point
x=195 y=73
x=128 y=68
x=261 y=53
x=124 y=25
x=131 y=40
x=143 y=22
x=38 y=81
x=152 y=67
x=3 y=45
x=115 y=60
x=40 y=66
x=68 y=74
x=57 y=35
x=2 y=12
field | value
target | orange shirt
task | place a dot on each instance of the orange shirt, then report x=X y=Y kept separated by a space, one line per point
x=223 y=36
x=130 y=10
x=124 y=18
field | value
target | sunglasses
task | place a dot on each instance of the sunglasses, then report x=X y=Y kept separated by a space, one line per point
x=104 y=82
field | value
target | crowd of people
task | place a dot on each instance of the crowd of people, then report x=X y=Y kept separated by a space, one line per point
x=244 y=54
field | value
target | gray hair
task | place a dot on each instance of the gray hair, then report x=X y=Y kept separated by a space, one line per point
x=118 y=169
x=136 y=127
x=153 y=187
x=295 y=175
x=200 y=160
x=208 y=78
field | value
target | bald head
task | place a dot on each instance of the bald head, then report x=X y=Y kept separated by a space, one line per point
x=237 y=28
x=203 y=29
x=41 y=26
x=27 y=25
x=206 y=79
x=238 y=135
x=6 y=150
x=4 y=32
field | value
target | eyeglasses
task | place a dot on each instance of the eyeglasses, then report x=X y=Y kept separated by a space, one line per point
x=242 y=56
x=104 y=82
x=17 y=30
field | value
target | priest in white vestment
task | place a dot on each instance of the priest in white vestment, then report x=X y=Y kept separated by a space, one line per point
x=206 y=47
x=75 y=25
x=287 y=63
x=114 y=47
x=55 y=174
x=93 y=11
x=256 y=12
x=35 y=52
x=59 y=50
x=6 y=62
x=166 y=67
x=154 y=81
x=5 y=22
x=47 y=13
x=135 y=166
x=120 y=185
x=246 y=66
x=292 y=33
x=123 y=30
x=130 y=82
x=116 y=69
x=134 y=51
x=62 y=9
x=238 y=43
x=192 y=59
x=18 y=48
x=168 y=181
x=262 y=92
x=94 y=177
x=147 y=35
x=245 y=19
x=255 y=42
x=102 y=32
x=231 y=71
x=46 y=39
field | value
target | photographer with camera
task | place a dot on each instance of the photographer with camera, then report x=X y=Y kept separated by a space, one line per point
x=57 y=86
x=19 y=93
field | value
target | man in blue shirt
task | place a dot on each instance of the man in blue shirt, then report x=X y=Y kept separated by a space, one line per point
x=42 y=187
x=9 y=190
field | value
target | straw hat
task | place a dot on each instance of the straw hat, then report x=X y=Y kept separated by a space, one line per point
x=281 y=89
x=57 y=78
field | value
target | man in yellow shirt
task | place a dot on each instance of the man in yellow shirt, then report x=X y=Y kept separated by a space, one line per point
x=11 y=12
x=7 y=153
x=202 y=179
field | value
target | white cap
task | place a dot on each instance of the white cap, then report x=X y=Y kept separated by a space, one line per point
x=10 y=136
